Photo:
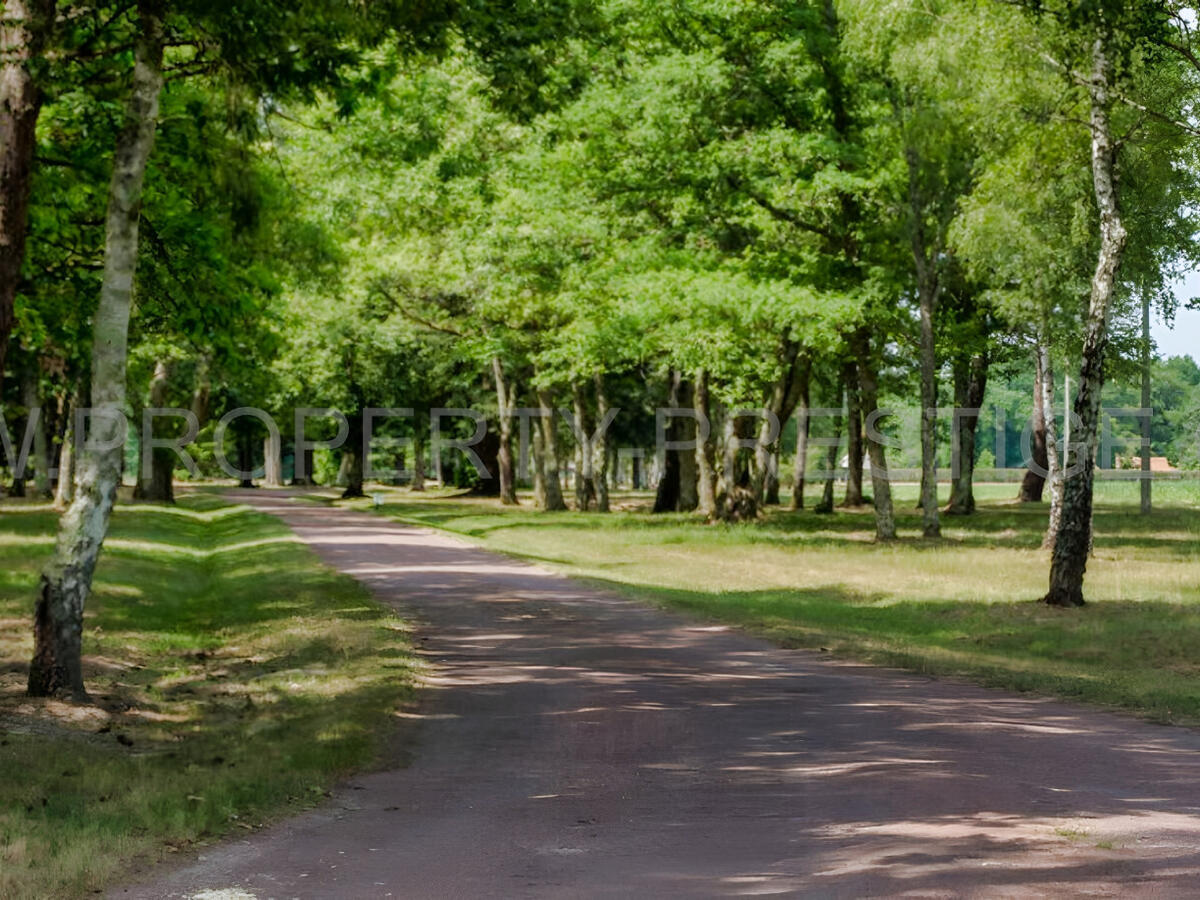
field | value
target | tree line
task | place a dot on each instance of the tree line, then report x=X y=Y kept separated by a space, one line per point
x=774 y=205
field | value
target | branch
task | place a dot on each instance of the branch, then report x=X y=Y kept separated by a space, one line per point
x=413 y=317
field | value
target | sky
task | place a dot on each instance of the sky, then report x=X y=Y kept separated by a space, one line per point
x=1184 y=338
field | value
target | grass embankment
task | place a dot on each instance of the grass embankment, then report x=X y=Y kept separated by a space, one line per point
x=962 y=605
x=233 y=677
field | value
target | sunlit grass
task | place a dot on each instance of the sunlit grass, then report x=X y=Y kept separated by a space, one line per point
x=965 y=604
x=234 y=677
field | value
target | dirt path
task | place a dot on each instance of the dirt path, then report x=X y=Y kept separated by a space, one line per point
x=573 y=744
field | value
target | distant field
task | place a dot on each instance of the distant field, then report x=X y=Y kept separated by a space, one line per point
x=962 y=605
x=235 y=678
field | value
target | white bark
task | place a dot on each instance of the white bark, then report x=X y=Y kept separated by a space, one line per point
x=1054 y=478
x=67 y=579
x=1073 y=543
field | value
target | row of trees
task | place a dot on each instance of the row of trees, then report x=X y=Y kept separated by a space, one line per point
x=776 y=205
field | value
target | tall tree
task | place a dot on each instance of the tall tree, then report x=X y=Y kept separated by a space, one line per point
x=25 y=31
x=66 y=580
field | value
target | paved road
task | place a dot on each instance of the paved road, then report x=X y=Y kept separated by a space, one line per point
x=573 y=744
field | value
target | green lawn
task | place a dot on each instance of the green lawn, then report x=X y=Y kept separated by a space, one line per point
x=235 y=678
x=963 y=605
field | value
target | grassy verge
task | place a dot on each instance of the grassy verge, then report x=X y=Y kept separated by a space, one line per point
x=964 y=605
x=234 y=678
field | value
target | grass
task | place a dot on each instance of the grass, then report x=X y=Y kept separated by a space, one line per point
x=234 y=679
x=964 y=605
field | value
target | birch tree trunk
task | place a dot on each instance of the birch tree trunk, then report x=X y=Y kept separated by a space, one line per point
x=1147 y=500
x=1033 y=485
x=854 y=444
x=31 y=399
x=504 y=458
x=706 y=454
x=800 y=467
x=64 y=489
x=600 y=448
x=925 y=261
x=1071 y=547
x=25 y=27
x=585 y=490
x=272 y=463
x=1054 y=474
x=67 y=579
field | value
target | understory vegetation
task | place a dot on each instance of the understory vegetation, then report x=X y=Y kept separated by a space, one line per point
x=233 y=678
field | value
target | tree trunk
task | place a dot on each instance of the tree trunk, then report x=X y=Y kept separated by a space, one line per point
x=203 y=391
x=245 y=456
x=666 y=496
x=779 y=406
x=552 y=480
x=64 y=489
x=831 y=467
x=1054 y=473
x=881 y=489
x=157 y=486
x=771 y=477
x=272 y=463
x=600 y=448
x=970 y=384
x=800 y=466
x=1147 y=500
x=1071 y=547
x=585 y=490
x=928 y=286
x=353 y=455
x=854 y=437
x=31 y=399
x=67 y=579
x=1033 y=485
x=689 y=497
x=24 y=30
x=738 y=501
x=504 y=457
x=418 y=476
x=706 y=476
